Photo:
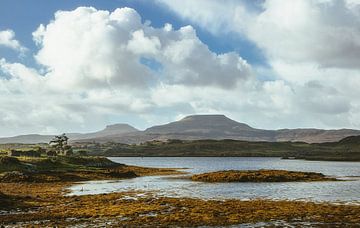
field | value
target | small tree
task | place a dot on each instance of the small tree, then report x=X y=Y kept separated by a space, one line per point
x=60 y=145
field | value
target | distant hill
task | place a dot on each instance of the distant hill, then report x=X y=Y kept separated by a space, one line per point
x=116 y=129
x=201 y=124
x=351 y=140
x=27 y=139
x=196 y=127
x=110 y=130
x=347 y=149
x=221 y=127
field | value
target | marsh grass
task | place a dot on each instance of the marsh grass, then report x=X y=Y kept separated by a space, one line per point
x=45 y=204
x=262 y=175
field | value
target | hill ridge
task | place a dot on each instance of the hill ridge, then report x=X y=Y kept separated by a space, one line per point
x=194 y=127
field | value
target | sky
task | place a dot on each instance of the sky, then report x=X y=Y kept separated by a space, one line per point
x=76 y=66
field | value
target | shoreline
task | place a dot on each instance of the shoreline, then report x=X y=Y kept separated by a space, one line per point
x=50 y=207
x=197 y=156
x=47 y=204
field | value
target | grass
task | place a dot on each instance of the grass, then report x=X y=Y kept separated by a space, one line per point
x=347 y=149
x=40 y=200
x=344 y=150
x=69 y=169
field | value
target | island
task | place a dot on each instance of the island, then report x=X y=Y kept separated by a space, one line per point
x=263 y=175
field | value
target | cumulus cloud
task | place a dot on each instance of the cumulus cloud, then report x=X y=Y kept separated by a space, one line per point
x=7 y=39
x=325 y=32
x=304 y=42
x=92 y=69
x=93 y=48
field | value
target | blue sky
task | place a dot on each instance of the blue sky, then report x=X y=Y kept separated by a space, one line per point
x=268 y=63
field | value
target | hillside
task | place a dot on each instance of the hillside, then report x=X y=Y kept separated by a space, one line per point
x=347 y=149
x=218 y=127
x=195 y=127
x=116 y=129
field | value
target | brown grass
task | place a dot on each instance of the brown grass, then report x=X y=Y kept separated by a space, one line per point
x=260 y=176
x=44 y=203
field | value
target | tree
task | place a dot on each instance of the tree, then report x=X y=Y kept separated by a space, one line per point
x=60 y=145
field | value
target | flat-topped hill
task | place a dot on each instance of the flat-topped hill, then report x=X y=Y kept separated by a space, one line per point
x=201 y=124
x=195 y=127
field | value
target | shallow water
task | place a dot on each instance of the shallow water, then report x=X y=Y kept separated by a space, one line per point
x=342 y=191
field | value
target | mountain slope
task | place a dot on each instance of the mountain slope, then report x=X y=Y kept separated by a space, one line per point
x=27 y=139
x=116 y=129
x=200 y=124
x=219 y=127
x=209 y=127
x=196 y=127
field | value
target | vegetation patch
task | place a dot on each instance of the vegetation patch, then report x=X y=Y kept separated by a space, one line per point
x=260 y=176
x=45 y=205
x=11 y=164
x=69 y=169
x=347 y=149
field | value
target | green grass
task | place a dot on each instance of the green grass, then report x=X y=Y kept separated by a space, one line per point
x=59 y=163
x=345 y=150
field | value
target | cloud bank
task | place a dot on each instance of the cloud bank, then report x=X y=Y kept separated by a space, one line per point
x=97 y=67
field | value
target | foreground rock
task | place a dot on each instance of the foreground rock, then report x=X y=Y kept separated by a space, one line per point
x=260 y=176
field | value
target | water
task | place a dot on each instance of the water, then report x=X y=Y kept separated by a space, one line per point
x=342 y=191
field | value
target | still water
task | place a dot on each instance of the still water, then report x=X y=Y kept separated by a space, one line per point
x=342 y=191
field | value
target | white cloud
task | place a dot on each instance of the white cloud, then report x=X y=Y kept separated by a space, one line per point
x=91 y=71
x=7 y=39
x=90 y=48
x=94 y=73
x=325 y=32
x=305 y=42
x=139 y=44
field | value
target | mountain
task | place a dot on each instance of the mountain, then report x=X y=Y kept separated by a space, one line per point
x=314 y=135
x=27 y=139
x=116 y=129
x=210 y=127
x=201 y=124
x=196 y=127
x=221 y=127
x=218 y=127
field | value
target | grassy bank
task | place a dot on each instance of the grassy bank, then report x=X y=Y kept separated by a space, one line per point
x=69 y=169
x=260 y=176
